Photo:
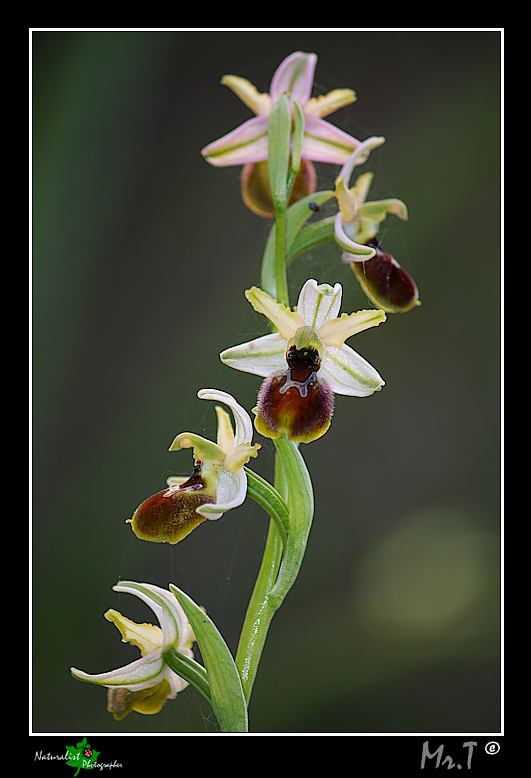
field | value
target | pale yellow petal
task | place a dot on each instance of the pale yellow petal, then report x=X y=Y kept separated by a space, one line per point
x=225 y=432
x=325 y=104
x=239 y=456
x=203 y=448
x=147 y=637
x=347 y=200
x=259 y=102
x=334 y=332
x=378 y=209
x=361 y=187
x=286 y=321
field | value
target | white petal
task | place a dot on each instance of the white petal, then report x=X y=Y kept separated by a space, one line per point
x=348 y=373
x=318 y=303
x=171 y=616
x=242 y=420
x=141 y=674
x=261 y=356
x=354 y=252
x=231 y=492
x=358 y=156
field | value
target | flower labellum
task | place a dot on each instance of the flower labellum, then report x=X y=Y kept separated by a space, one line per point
x=306 y=362
x=171 y=514
x=384 y=281
x=297 y=401
x=217 y=484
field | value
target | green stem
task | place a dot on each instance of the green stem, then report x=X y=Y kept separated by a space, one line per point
x=282 y=551
x=262 y=607
x=281 y=562
x=280 y=257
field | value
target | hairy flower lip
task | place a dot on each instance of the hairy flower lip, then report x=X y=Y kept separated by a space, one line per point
x=385 y=282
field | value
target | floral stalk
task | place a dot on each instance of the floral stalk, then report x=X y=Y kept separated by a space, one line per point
x=269 y=590
x=262 y=606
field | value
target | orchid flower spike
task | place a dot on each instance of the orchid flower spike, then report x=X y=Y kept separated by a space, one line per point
x=306 y=361
x=145 y=684
x=217 y=484
x=356 y=227
x=247 y=145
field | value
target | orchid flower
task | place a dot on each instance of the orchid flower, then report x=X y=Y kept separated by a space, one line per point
x=247 y=145
x=356 y=226
x=217 y=484
x=145 y=684
x=306 y=361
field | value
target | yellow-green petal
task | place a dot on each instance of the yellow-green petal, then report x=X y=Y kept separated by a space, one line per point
x=335 y=332
x=347 y=200
x=239 y=456
x=203 y=448
x=147 y=637
x=322 y=105
x=259 y=102
x=377 y=210
x=225 y=432
x=286 y=321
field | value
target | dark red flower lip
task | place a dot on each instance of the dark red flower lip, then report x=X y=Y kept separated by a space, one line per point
x=302 y=410
x=385 y=282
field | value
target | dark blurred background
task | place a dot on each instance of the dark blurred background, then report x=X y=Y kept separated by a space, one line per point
x=142 y=252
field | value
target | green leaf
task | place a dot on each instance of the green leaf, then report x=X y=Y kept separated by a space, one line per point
x=227 y=698
x=262 y=492
x=278 y=150
x=301 y=508
x=313 y=235
x=298 y=133
x=300 y=212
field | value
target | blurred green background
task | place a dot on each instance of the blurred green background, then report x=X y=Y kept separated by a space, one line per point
x=142 y=252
